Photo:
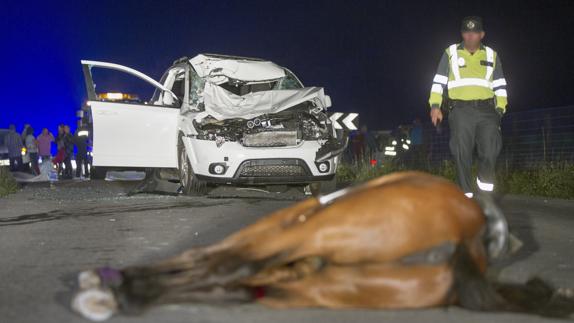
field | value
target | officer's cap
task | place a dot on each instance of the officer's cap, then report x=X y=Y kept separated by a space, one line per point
x=472 y=24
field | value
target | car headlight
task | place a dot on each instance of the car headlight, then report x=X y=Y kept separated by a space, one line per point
x=217 y=168
x=323 y=167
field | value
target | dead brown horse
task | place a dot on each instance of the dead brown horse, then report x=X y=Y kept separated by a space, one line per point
x=407 y=240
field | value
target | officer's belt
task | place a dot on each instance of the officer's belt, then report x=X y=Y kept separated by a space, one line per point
x=471 y=103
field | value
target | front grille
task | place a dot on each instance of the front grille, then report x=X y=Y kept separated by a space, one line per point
x=273 y=168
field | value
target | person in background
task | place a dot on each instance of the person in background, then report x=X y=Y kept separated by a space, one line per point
x=68 y=141
x=416 y=133
x=32 y=148
x=416 y=146
x=45 y=140
x=61 y=153
x=13 y=142
x=370 y=143
x=363 y=145
x=25 y=131
x=357 y=145
x=81 y=142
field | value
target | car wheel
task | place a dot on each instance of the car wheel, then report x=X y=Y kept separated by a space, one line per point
x=329 y=186
x=191 y=185
x=98 y=172
x=323 y=188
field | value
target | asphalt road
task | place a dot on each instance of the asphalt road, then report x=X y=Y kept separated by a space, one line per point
x=49 y=234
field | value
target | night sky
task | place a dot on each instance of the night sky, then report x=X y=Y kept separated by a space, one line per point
x=373 y=57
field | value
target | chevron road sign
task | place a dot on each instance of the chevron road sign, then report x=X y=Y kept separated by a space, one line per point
x=345 y=121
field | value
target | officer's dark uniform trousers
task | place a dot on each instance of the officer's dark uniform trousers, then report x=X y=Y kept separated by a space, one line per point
x=474 y=125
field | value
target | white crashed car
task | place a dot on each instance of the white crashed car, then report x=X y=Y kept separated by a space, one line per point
x=217 y=119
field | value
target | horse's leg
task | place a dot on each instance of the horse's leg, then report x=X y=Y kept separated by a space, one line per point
x=368 y=286
x=136 y=287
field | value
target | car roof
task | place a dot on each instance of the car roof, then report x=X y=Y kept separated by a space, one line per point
x=186 y=59
x=221 y=56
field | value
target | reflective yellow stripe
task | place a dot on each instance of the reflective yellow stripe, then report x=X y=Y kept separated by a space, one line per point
x=500 y=92
x=469 y=82
x=437 y=88
x=498 y=82
x=489 y=187
x=440 y=79
x=453 y=49
x=490 y=60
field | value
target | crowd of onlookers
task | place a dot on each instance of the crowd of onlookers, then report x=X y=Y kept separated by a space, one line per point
x=406 y=141
x=39 y=148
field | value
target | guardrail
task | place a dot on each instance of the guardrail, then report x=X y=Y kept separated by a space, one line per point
x=530 y=138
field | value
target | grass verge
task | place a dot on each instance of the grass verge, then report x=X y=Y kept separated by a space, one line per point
x=7 y=183
x=554 y=180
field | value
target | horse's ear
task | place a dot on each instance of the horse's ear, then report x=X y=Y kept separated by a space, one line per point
x=497 y=236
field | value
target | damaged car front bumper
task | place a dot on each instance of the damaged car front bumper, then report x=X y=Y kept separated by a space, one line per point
x=250 y=165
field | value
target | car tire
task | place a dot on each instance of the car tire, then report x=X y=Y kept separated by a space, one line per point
x=323 y=188
x=98 y=172
x=329 y=186
x=191 y=185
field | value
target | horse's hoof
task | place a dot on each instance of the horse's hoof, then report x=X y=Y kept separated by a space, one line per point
x=95 y=304
x=89 y=279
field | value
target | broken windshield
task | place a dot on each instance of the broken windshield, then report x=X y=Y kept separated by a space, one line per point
x=289 y=82
x=239 y=87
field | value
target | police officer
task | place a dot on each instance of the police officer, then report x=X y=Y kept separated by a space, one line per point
x=470 y=76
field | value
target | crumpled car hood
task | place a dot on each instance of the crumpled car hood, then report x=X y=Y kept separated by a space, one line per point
x=222 y=104
x=245 y=70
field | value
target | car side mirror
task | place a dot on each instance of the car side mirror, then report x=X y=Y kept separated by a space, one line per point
x=328 y=102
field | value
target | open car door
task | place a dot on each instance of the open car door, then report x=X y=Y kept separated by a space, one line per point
x=128 y=134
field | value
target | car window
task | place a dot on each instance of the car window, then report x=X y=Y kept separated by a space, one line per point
x=178 y=87
x=174 y=80
x=157 y=94
x=197 y=84
x=289 y=82
x=239 y=88
x=117 y=86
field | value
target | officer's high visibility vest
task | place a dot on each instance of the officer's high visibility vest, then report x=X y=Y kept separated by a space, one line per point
x=469 y=76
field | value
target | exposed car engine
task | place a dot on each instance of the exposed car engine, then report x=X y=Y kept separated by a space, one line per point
x=285 y=128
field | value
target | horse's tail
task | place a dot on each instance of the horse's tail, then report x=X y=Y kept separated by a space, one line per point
x=475 y=292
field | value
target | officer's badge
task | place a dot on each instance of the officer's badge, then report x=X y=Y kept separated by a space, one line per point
x=470 y=25
x=461 y=62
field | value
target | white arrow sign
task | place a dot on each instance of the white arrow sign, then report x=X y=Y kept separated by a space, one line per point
x=334 y=117
x=348 y=121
